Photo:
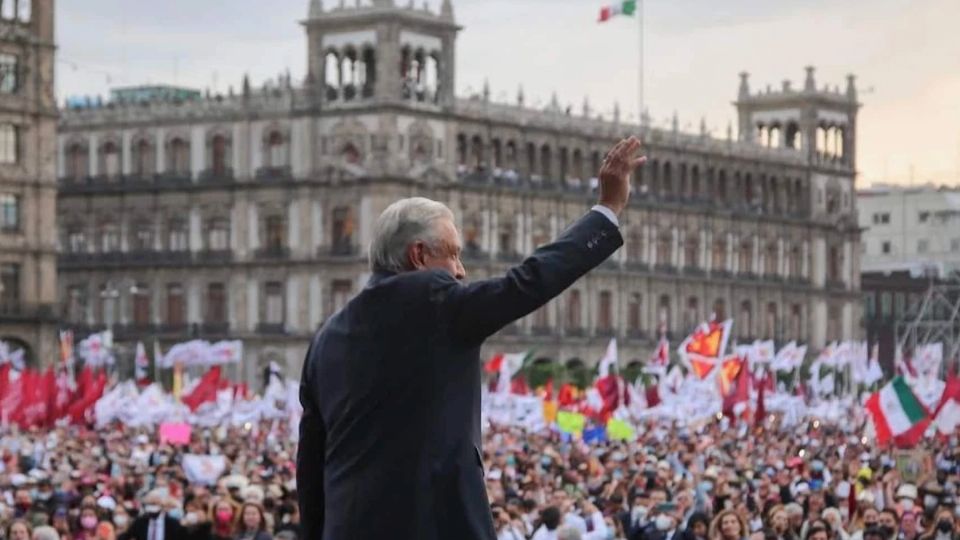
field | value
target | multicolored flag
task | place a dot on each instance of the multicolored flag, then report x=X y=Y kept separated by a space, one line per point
x=625 y=7
x=703 y=348
x=897 y=414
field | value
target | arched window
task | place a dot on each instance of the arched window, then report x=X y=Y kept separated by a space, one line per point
x=110 y=160
x=745 y=320
x=666 y=186
x=796 y=322
x=721 y=192
x=77 y=166
x=178 y=157
x=770 y=329
x=219 y=156
x=796 y=261
x=771 y=259
x=275 y=153
x=573 y=311
x=476 y=153
x=719 y=261
x=144 y=160
x=691 y=247
x=546 y=163
x=664 y=313
x=746 y=256
x=720 y=309
x=691 y=316
x=665 y=248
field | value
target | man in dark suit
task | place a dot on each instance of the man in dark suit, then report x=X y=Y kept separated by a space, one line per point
x=390 y=435
x=153 y=523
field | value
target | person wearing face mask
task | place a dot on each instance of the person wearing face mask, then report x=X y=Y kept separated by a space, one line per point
x=888 y=523
x=223 y=519
x=87 y=521
x=153 y=523
x=944 y=526
x=906 y=497
x=121 y=520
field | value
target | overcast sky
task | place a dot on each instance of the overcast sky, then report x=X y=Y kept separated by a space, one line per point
x=905 y=53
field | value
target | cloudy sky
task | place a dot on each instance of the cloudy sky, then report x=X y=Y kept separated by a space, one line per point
x=905 y=54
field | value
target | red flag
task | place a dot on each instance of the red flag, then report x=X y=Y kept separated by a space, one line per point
x=92 y=391
x=4 y=379
x=206 y=389
x=653 y=395
x=760 y=414
x=12 y=396
x=493 y=365
x=518 y=386
x=739 y=393
x=567 y=395
x=609 y=389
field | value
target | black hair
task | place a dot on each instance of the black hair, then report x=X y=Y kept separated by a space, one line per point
x=550 y=517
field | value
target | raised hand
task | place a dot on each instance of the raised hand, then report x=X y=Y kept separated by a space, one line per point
x=615 y=173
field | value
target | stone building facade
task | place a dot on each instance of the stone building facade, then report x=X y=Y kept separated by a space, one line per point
x=28 y=184
x=247 y=215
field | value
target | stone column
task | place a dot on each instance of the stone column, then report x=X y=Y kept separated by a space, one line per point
x=196 y=233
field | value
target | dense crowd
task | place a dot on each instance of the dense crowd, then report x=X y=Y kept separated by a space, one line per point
x=712 y=482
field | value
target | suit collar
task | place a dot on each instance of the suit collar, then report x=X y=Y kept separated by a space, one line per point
x=379 y=276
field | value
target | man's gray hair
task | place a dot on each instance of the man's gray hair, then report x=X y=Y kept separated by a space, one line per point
x=401 y=224
x=45 y=532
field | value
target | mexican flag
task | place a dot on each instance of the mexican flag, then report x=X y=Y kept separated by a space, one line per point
x=625 y=7
x=897 y=414
x=506 y=366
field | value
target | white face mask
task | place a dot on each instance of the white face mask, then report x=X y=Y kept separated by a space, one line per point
x=663 y=523
x=906 y=504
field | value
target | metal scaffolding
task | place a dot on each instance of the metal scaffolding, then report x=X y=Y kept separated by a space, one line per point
x=935 y=318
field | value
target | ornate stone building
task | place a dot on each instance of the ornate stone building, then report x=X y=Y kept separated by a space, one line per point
x=247 y=215
x=28 y=185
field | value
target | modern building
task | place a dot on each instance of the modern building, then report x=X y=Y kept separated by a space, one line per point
x=247 y=215
x=907 y=227
x=28 y=183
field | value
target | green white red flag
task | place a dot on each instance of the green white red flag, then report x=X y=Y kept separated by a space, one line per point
x=897 y=414
x=624 y=7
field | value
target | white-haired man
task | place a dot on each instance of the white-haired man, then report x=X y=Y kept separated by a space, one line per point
x=390 y=435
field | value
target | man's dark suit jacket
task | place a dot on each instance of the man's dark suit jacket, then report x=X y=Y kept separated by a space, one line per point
x=140 y=528
x=390 y=434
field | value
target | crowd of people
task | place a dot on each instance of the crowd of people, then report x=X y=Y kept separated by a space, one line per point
x=711 y=482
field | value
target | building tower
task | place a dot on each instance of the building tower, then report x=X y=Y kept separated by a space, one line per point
x=382 y=52
x=820 y=126
x=28 y=123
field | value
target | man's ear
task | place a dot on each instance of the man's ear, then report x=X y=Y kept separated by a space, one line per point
x=416 y=255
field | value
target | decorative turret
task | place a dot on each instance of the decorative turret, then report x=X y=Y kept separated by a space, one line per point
x=820 y=123
x=810 y=84
x=316 y=9
x=744 y=85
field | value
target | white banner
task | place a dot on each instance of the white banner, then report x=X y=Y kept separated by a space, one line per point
x=203 y=469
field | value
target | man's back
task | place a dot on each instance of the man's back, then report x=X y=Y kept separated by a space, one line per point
x=390 y=435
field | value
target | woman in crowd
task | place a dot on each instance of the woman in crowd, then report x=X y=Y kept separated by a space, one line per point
x=19 y=530
x=253 y=524
x=728 y=525
x=223 y=519
x=697 y=527
x=87 y=522
x=943 y=526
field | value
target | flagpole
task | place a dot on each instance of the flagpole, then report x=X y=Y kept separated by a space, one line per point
x=640 y=72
